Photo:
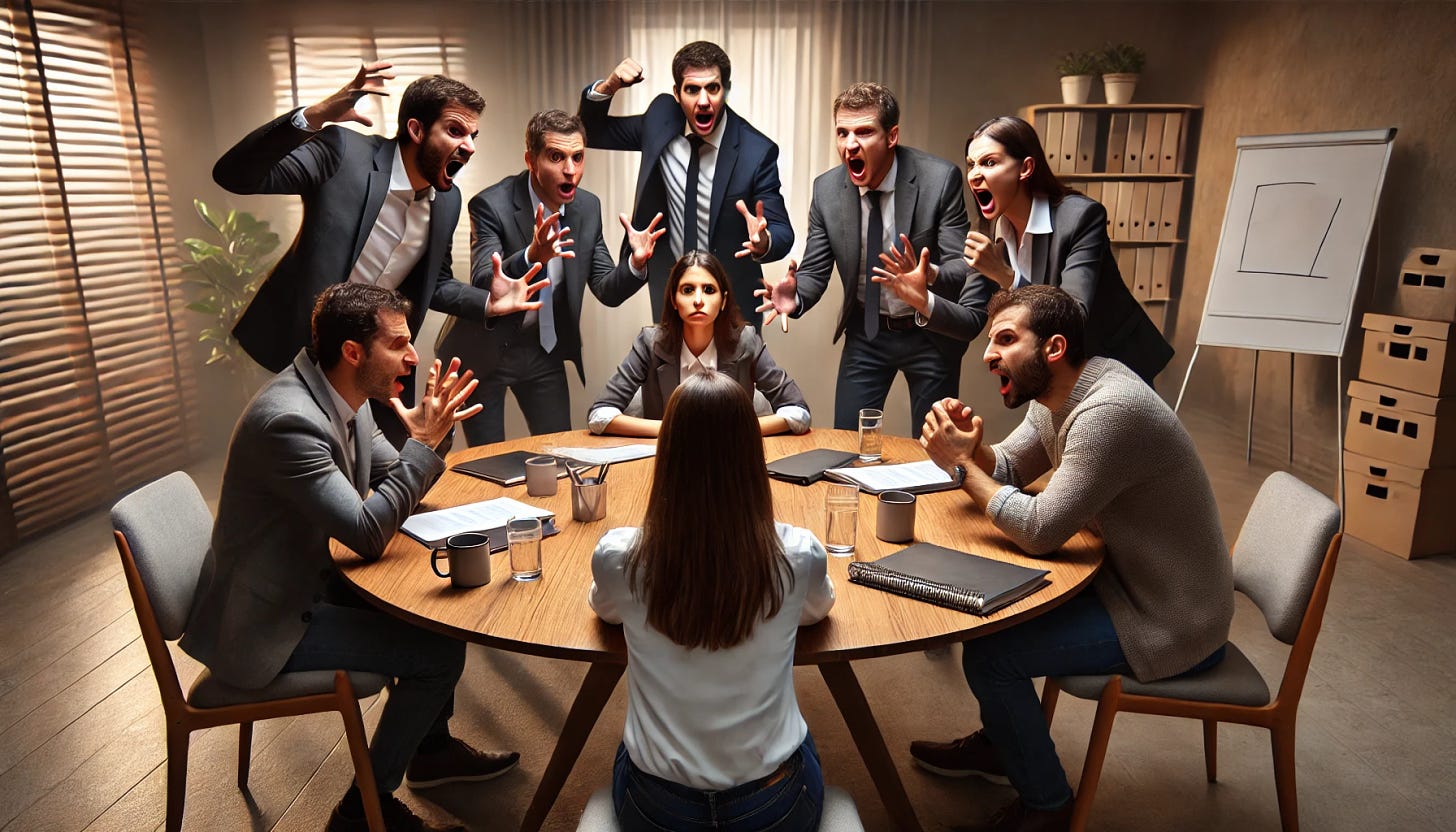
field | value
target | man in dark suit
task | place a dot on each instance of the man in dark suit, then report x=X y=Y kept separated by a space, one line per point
x=376 y=210
x=901 y=312
x=522 y=221
x=717 y=184
x=305 y=465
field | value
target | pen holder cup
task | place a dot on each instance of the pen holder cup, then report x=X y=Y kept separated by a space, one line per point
x=588 y=500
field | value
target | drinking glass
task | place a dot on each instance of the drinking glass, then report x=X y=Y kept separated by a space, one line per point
x=870 y=419
x=524 y=536
x=841 y=509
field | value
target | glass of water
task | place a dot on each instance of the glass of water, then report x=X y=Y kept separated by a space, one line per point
x=870 y=419
x=524 y=536
x=841 y=509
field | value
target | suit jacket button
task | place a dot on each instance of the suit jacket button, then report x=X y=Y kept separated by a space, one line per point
x=307 y=617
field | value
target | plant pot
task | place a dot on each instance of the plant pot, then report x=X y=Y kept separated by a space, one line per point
x=1118 y=87
x=1076 y=89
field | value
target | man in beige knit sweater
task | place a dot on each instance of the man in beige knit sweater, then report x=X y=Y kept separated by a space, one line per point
x=1121 y=464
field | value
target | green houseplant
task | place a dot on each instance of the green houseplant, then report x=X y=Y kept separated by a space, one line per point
x=1121 y=65
x=225 y=272
x=1077 y=69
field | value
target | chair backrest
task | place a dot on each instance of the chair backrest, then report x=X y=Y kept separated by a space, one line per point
x=168 y=527
x=1281 y=548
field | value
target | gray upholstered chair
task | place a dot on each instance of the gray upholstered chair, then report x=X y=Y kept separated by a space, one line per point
x=1284 y=560
x=162 y=531
x=840 y=814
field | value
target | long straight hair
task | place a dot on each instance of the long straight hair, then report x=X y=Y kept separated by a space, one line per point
x=709 y=564
x=728 y=324
x=1021 y=142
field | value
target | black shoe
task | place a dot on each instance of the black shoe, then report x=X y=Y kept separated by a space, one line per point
x=397 y=818
x=457 y=762
x=1016 y=817
x=960 y=758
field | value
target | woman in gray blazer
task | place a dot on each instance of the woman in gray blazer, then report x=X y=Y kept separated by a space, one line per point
x=1045 y=233
x=701 y=330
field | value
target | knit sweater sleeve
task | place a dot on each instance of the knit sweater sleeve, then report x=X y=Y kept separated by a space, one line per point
x=1020 y=457
x=1099 y=458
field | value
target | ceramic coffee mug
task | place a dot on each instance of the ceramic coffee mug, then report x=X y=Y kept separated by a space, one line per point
x=469 y=556
x=895 y=519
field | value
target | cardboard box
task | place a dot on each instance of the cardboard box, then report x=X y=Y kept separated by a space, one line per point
x=1405 y=511
x=1400 y=426
x=1427 y=285
x=1408 y=353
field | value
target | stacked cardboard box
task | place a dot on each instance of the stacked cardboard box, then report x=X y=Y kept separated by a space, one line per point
x=1400 y=460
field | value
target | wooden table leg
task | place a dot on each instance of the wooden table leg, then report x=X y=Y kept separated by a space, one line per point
x=595 y=690
x=850 y=698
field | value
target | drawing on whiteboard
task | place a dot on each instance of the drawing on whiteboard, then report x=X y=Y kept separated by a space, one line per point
x=1287 y=228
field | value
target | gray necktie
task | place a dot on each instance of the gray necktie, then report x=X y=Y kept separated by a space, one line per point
x=547 y=319
x=874 y=244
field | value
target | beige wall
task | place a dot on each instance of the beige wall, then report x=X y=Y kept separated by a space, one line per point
x=1256 y=68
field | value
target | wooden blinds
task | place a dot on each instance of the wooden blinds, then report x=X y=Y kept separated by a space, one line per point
x=94 y=396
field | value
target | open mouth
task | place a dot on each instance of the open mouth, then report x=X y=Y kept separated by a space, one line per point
x=985 y=200
x=566 y=191
x=452 y=167
x=703 y=121
x=398 y=386
x=856 y=169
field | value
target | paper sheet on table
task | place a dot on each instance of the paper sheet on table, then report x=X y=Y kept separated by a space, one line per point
x=906 y=476
x=471 y=517
x=599 y=456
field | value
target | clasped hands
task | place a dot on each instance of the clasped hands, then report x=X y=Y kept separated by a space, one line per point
x=439 y=408
x=951 y=434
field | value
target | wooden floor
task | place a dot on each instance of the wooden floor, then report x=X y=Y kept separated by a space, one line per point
x=81 y=732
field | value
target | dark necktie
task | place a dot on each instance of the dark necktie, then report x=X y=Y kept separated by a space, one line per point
x=690 y=196
x=874 y=244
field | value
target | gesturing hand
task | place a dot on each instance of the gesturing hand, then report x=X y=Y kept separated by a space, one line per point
x=439 y=408
x=627 y=73
x=758 y=237
x=509 y=294
x=981 y=255
x=369 y=80
x=549 y=239
x=780 y=297
x=643 y=242
x=906 y=276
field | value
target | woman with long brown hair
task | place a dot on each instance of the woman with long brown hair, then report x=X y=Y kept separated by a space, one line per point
x=1045 y=233
x=700 y=329
x=710 y=593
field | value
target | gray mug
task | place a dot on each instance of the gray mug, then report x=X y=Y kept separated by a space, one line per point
x=541 y=476
x=469 y=557
x=588 y=500
x=895 y=519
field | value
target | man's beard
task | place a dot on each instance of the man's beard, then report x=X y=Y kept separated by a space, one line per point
x=1029 y=380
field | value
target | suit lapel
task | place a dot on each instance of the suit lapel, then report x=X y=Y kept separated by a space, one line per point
x=363 y=448
x=525 y=215
x=907 y=191
x=723 y=168
x=376 y=190
x=318 y=389
x=850 y=243
x=442 y=225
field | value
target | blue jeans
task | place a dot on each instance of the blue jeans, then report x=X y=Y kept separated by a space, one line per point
x=427 y=666
x=791 y=803
x=1075 y=639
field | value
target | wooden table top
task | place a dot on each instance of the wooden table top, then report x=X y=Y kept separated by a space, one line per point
x=550 y=617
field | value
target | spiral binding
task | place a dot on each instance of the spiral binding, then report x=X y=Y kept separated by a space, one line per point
x=935 y=592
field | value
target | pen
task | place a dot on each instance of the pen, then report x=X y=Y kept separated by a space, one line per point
x=602 y=477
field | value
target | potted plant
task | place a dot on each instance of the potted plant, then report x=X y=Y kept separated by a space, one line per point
x=224 y=275
x=1077 y=69
x=1121 y=65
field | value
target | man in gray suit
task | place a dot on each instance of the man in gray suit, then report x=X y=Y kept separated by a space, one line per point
x=535 y=218
x=868 y=217
x=300 y=468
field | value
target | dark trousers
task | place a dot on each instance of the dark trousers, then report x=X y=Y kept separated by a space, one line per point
x=867 y=368
x=538 y=381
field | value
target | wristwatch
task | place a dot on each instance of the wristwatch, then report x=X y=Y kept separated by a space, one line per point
x=959 y=473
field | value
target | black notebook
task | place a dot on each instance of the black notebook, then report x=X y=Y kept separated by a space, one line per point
x=504 y=469
x=948 y=578
x=808 y=467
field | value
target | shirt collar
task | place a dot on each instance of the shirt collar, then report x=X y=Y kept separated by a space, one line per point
x=399 y=183
x=709 y=358
x=887 y=185
x=1039 y=222
x=341 y=412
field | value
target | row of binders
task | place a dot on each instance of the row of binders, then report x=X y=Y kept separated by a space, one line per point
x=1094 y=142
x=1138 y=211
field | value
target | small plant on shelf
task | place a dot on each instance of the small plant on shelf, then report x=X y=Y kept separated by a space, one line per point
x=1077 y=69
x=1121 y=65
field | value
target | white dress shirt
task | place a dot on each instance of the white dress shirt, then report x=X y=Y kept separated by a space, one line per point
x=890 y=303
x=1040 y=222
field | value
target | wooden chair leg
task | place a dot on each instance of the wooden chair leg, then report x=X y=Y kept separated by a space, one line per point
x=1210 y=749
x=1281 y=738
x=245 y=752
x=1096 y=753
x=359 y=751
x=178 y=739
x=1049 y=691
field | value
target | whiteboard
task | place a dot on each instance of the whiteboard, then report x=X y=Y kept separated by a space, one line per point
x=1299 y=216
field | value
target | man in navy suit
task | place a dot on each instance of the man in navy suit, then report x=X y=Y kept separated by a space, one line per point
x=710 y=173
x=536 y=217
x=376 y=210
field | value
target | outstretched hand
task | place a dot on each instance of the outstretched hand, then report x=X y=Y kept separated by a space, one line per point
x=339 y=107
x=549 y=239
x=758 y=237
x=643 y=242
x=909 y=278
x=510 y=294
x=440 y=407
x=780 y=298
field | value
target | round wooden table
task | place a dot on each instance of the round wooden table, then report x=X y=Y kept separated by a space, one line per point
x=550 y=617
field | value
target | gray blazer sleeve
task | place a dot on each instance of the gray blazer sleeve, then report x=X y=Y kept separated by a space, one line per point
x=813 y=273
x=771 y=379
x=631 y=374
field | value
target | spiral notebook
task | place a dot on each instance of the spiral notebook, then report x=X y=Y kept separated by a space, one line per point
x=949 y=578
